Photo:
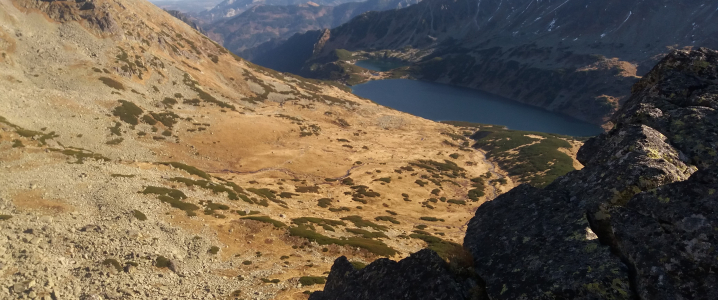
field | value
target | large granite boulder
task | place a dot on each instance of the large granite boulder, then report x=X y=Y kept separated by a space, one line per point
x=423 y=275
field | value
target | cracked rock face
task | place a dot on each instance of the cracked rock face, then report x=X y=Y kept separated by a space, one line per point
x=423 y=275
x=639 y=221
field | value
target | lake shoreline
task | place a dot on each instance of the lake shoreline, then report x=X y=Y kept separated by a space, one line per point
x=469 y=105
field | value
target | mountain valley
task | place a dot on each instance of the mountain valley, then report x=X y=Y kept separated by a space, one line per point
x=140 y=159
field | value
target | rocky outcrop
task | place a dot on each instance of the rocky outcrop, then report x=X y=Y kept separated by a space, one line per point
x=423 y=275
x=100 y=18
x=638 y=222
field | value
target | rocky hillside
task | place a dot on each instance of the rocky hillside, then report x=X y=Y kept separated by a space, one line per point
x=262 y=23
x=141 y=160
x=187 y=19
x=573 y=57
x=638 y=222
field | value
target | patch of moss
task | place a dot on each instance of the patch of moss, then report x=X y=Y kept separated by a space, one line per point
x=139 y=215
x=188 y=208
x=163 y=191
x=162 y=262
x=325 y=223
x=5 y=217
x=112 y=83
x=443 y=248
x=169 y=102
x=128 y=112
x=80 y=155
x=458 y=202
x=263 y=192
x=311 y=280
x=384 y=179
x=17 y=144
x=431 y=219
x=373 y=246
x=122 y=176
x=214 y=250
x=116 y=141
x=167 y=118
x=324 y=202
x=387 y=218
x=358 y=265
x=307 y=189
x=359 y=222
x=112 y=262
x=366 y=234
x=266 y=219
x=187 y=168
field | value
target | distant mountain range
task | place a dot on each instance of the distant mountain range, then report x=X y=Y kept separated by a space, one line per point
x=230 y=8
x=575 y=57
x=262 y=23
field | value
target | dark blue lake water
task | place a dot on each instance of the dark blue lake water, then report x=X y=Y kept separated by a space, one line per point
x=380 y=65
x=440 y=102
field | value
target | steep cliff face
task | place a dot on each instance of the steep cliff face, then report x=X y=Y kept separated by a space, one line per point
x=575 y=57
x=637 y=222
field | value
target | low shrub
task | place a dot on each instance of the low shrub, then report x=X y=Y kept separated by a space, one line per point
x=266 y=219
x=311 y=280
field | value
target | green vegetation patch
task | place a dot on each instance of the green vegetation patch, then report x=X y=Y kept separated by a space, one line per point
x=307 y=189
x=387 y=219
x=187 y=168
x=266 y=193
x=5 y=217
x=359 y=222
x=128 y=112
x=111 y=262
x=17 y=144
x=214 y=187
x=266 y=219
x=163 y=191
x=431 y=219
x=358 y=265
x=37 y=135
x=443 y=248
x=116 y=141
x=458 y=202
x=325 y=223
x=367 y=234
x=324 y=202
x=162 y=262
x=312 y=280
x=214 y=250
x=532 y=160
x=373 y=246
x=167 y=118
x=384 y=179
x=80 y=155
x=112 y=83
x=188 y=208
x=447 y=168
x=139 y=215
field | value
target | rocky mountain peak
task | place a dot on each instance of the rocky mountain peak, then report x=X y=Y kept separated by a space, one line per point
x=637 y=222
